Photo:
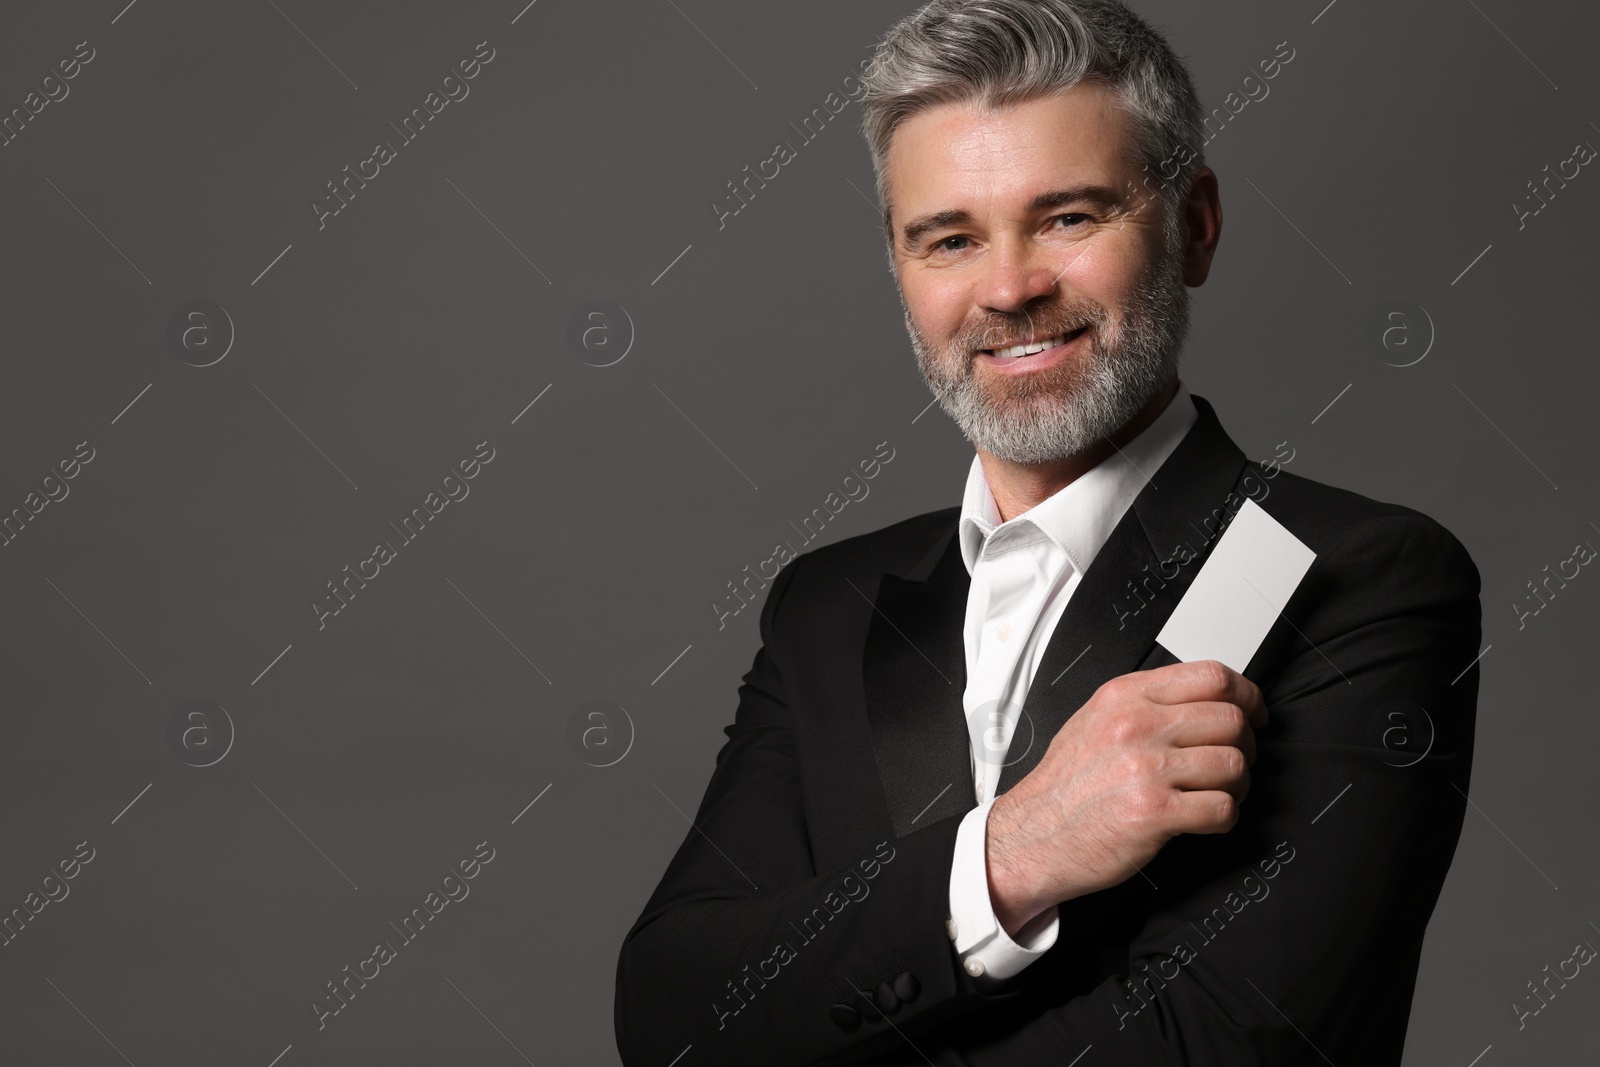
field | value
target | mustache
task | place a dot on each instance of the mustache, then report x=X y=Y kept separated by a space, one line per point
x=1021 y=331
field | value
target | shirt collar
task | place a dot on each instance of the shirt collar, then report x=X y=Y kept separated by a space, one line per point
x=1080 y=517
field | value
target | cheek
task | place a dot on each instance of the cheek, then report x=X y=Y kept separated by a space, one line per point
x=1090 y=268
x=1102 y=273
x=938 y=307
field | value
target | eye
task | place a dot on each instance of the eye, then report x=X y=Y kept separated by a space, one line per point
x=1076 y=220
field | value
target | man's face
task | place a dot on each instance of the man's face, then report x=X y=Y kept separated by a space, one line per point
x=997 y=256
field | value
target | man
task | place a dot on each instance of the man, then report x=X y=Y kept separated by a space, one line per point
x=970 y=811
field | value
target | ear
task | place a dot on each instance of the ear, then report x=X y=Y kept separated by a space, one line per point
x=1202 y=220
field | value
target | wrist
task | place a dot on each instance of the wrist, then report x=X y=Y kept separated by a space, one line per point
x=1012 y=894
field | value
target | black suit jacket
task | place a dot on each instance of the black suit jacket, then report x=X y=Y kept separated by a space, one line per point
x=803 y=918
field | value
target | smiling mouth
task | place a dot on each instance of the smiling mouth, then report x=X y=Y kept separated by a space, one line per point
x=1033 y=347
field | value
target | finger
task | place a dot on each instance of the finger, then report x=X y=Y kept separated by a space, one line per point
x=1253 y=706
x=1204 y=812
x=1209 y=767
x=1210 y=722
x=1201 y=680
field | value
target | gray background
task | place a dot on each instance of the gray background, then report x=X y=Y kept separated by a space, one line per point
x=424 y=318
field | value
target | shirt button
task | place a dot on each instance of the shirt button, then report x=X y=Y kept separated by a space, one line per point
x=1004 y=632
x=974 y=967
x=950 y=928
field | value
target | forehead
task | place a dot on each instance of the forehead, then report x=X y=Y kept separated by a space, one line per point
x=959 y=155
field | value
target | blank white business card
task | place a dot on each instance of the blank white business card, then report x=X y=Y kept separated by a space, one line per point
x=1239 y=592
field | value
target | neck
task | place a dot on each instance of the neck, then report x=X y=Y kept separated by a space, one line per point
x=1017 y=487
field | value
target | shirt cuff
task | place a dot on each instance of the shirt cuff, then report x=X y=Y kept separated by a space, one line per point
x=987 y=953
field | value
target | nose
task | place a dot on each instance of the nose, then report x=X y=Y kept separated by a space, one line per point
x=1017 y=273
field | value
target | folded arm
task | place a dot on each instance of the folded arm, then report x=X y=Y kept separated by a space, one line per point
x=749 y=953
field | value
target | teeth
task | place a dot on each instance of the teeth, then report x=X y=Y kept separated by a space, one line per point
x=1027 y=350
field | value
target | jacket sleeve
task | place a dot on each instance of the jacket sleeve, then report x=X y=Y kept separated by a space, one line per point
x=746 y=953
x=1294 y=938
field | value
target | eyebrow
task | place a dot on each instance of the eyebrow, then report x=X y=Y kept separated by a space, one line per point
x=1100 y=196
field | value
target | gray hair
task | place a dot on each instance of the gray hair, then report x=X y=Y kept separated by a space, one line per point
x=998 y=52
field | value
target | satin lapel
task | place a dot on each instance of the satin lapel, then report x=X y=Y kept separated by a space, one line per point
x=914 y=671
x=1110 y=624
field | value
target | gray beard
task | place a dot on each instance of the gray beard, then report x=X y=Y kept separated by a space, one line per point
x=1080 y=401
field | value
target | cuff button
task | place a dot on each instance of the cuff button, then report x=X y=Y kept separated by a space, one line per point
x=974 y=967
x=884 y=997
x=867 y=1007
x=950 y=928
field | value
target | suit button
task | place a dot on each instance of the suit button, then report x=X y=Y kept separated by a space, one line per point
x=844 y=1017
x=906 y=986
x=884 y=996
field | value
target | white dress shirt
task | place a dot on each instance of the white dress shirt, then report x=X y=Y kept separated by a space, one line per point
x=1023 y=573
